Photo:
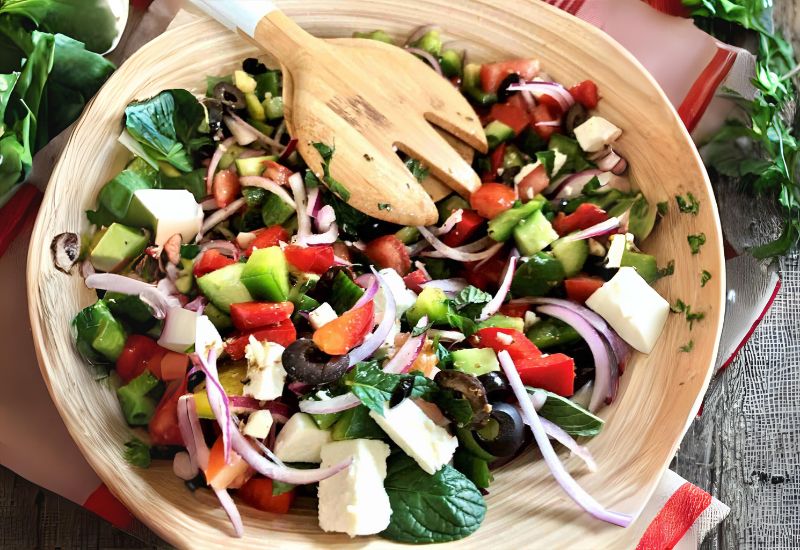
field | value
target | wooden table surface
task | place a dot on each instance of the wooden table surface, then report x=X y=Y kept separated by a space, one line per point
x=31 y=517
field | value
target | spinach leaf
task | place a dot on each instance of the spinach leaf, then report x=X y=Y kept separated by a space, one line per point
x=427 y=508
x=574 y=419
x=167 y=126
x=374 y=387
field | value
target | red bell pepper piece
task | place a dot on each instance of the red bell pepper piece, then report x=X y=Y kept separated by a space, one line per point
x=345 y=332
x=257 y=492
x=312 y=259
x=585 y=93
x=283 y=333
x=581 y=287
x=511 y=340
x=415 y=279
x=514 y=310
x=268 y=236
x=163 y=427
x=584 y=217
x=470 y=223
x=389 y=251
x=140 y=353
x=253 y=315
x=555 y=373
x=211 y=260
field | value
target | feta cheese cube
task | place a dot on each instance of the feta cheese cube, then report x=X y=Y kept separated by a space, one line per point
x=265 y=371
x=258 y=424
x=558 y=162
x=403 y=297
x=354 y=501
x=530 y=319
x=323 y=315
x=166 y=212
x=617 y=246
x=413 y=431
x=180 y=330
x=301 y=440
x=596 y=133
x=632 y=307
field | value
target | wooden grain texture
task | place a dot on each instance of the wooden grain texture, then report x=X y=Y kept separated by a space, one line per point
x=659 y=395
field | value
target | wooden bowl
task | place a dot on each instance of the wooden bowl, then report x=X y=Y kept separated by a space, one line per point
x=660 y=393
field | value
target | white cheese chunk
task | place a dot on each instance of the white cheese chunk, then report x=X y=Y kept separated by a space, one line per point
x=403 y=297
x=558 y=162
x=525 y=170
x=410 y=428
x=180 y=330
x=301 y=440
x=258 y=424
x=166 y=212
x=354 y=501
x=617 y=246
x=596 y=133
x=265 y=371
x=321 y=316
x=632 y=307
x=530 y=319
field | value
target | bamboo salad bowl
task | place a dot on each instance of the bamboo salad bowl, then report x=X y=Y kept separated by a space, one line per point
x=660 y=393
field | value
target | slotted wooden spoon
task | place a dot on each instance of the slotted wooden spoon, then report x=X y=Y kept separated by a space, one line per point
x=365 y=98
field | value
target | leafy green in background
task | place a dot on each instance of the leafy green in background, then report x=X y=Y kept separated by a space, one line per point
x=762 y=151
x=46 y=74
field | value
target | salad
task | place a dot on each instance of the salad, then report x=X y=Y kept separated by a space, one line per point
x=272 y=341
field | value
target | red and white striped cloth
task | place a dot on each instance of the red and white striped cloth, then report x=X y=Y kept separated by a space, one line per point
x=35 y=444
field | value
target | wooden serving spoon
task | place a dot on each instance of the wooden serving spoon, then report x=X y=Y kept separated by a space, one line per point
x=368 y=100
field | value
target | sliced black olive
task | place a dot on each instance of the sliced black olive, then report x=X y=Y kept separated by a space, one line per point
x=504 y=431
x=472 y=390
x=229 y=95
x=196 y=483
x=576 y=116
x=496 y=386
x=502 y=92
x=253 y=66
x=401 y=392
x=66 y=249
x=215 y=111
x=305 y=362
x=195 y=379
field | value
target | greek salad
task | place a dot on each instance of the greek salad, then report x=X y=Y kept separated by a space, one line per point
x=273 y=342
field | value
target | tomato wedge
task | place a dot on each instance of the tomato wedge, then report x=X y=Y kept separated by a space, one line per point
x=581 y=287
x=496 y=160
x=312 y=259
x=268 y=236
x=225 y=475
x=389 y=251
x=584 y=217
x=257 y=492
x=485 y=275
x=514 y=310
x=163 y=427
x=464 y=230
x=277 y=172
x=511 y=115
x=253 y=315
x=492 y=199
x=140 y=353
x=555 y=373
x=585 y=93
x=492 y=74
x=414 y=279
x=211 y=260
x=543 y=113
x=346 y=331
x=533 y=183
x=283 y=333
x=226 y=187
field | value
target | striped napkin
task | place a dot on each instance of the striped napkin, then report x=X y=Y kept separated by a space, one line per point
x=690 y=70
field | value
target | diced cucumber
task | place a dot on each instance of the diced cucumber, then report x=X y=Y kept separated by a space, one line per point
x=497 y=132
x=502 y=226
x=451 y=63
x=537 y=275
x=185 y=278
x=548 y=333
x=275 y=210
x=229 y=156
x=344 y=293
x=571 y=254
x=254 y=107
x=475 y=361
x=379 y=35
x=431 y=42
x=644 y=264
x=503 y=321
x=266 y=274
x=408 y=235
x=512 y=158
x=471 y=85
x=642 y=218
x=253 y=166
x=431 y=302
x=273 y=107
x=224 y=287
x=450 y=205
x=534 y=233
x=218 y=318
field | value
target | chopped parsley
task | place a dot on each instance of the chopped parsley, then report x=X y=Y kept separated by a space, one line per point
x=691 y=316
x=688 y=205
x=686 y=348
x=705 y=276
x=663 y=208
x=666 y=271
x=696 y=241
x=384 y=206
x=417 y=169
x=326 y=152
x=137 y=453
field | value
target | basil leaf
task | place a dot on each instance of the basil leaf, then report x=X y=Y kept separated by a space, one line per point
x=427 y=508
x=374 y=387
x=574 y=419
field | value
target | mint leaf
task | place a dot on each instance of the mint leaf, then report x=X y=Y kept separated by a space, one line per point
x=326 y=152
x=427 y=508
x=356 y=423
x=688 y=205
x=574 y=419
x=696 y=241
x=137 y=453
x=417 y=169
x=705 y=276
x=374 y=387
x=471 y=296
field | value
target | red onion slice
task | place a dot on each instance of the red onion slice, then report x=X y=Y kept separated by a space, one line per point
x=447 y=335
x=405 y=356
x=572 y=185
x=329 y=406
x=246 y=134
x=550 y=123
x=301 y=207
x=603 y=374
x=448 y=285
x=417 y=247
x=191 y=432
x=158 y=301
x=182 y=466
x=449 y=223
x=494 y=304
x=328 y=237
x=553 y=89
x=554 y=431
x=314 y=202
x=596 y=230
x=197 y=305
x=209 y=204
x=208 y=344
x=222 y=148
x=288 y=150
x=372 y=289
x=454 y=254
x=220 y=216
x=269 y=185
x=378 y=337
x=233 y=512
x=567 y=482
x=429 y=59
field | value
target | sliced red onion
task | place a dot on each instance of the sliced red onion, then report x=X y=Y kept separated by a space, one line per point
x=222 y=148
x=408 y=352
x=447 y=335
x=87 y=269
x=596 y=230
x=572 y=185
x=208 y=344
x=251 y=153
x=421 y=266
x=326 y=217
x=608 y=161
x=243 y=404
x=233 y=512
x=448 y=285
x=266 y=450
x=553 y=89
x=554 y=431
x=269 y=185
x=301 y=207
x=299 y=388
x=530 y=101
x=454 y=254
x=603 y=383
x=197 y=305
x=280 y=411
x=428 y=58
x=158 y=301
x=182 y=466
x=288 y=150
x=192 y=433
x=209 y=204
x=549 y=123
x=365 y=280
x=329 y=406
x=279 y=131
x=379 y=335
x=494 y=304
x=341 y=261
x=314 y=202
x=449 y=223
x=419 y=32
x=220 y=216
x=328 y=237
x=417 y=247
x=245 y=134
x=567 y=482
x=226 y=247
x=369 y=294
